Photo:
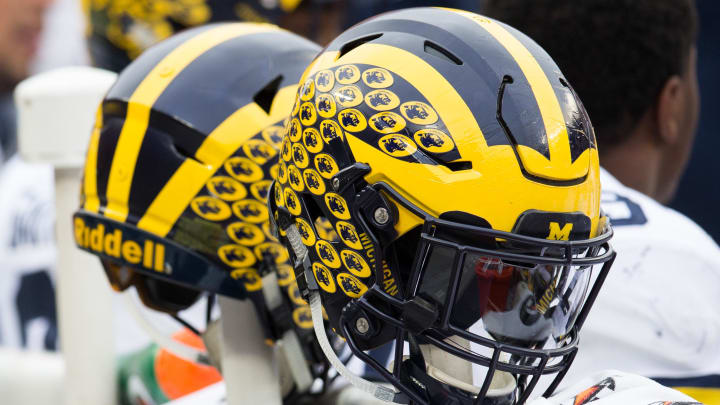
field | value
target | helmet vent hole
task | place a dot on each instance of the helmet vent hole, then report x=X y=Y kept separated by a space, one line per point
x=442 y=53
x=564 y=82
x=264 y=98
x=355 y=43
x=458 y=166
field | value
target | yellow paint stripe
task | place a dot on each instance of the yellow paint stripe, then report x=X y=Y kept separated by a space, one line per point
x=706 y=395
x=560 y=166
x=142 y=99
x=187 y=181
x=92 y=202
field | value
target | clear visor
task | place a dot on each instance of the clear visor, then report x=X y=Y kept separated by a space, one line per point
x=530 y=305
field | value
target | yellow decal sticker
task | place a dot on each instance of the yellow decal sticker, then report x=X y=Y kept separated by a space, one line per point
x=308 y=115
x=348 y=96
x=259 y=151
x=236 y=256
x=312 y=140
x=325 y=104
x=382 y=100
x=314 y=182
x=325 y=229
x=274 y=250
x=330 y=130
x=302 y=316
x=377 y=78
x=347 y=74
x=306 y=232
x=250 y=278
x=260 y=190
x=282 y=173
x=418 y=113
x=295 y=179
x=326 y=165
x=355 y=263
x=387 y=122
x=292 y=203
x=397 y=145
x=324 y=80
x=328 y=254
x=352 y=120
x=244 y=169
x=286 y=275
x=273 y=135
x=245 y=234
x=307 y=91
x=324 y=278
x=351 y=286
x=337 y=205
x=295 y=296
x=285 y=151
x=434 y=140
x=294 y=131
x=348 y=235
x=226 y=188
x=210 y=208
x=300 y=156
x=252 y=211
x=279 y=200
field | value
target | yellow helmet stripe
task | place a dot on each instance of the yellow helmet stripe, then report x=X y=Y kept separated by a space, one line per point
x=553 y=119
x=187 y=181
x=141 y=101
x=92 y=202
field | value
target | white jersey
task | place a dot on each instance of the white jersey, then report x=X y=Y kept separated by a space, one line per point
x=657 y=313
x=603 y=388
x=27 y=256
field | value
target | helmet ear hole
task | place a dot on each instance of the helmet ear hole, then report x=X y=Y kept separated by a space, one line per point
x=264 y=98
x=355 y=43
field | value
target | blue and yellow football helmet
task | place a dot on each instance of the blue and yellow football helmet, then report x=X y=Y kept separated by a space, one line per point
x=460 y=172
x=179 y=166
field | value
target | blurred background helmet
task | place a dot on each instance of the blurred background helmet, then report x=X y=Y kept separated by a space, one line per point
x=119 y=30
x=179 y=165
x=460 y=173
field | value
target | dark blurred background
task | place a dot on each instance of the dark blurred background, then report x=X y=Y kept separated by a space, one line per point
x=699 y=194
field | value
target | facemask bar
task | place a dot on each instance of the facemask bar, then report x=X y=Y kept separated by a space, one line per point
x=539 y=357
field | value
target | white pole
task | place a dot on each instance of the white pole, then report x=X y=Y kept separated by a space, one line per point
x=56 y=112
x=247 y=362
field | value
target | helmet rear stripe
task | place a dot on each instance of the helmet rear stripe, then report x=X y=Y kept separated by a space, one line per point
x=92 y=202
x=547 y=101
x=141 y=101
x=232 y=84
x=185 y=183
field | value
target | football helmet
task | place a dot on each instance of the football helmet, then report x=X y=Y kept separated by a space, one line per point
x=178 y=169
x=119 y=30
x=460 y=173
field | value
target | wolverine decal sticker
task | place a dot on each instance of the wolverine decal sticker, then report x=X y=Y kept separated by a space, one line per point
x=210 y=208
x=347 y=74
x=382 y=100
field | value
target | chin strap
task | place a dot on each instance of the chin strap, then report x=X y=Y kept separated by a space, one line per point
x=378 y=391
x=288 y=346
x=458 y=373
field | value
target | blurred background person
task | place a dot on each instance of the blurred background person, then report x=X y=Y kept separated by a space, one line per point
x=27 y=299
x=695 y=197
x=633 y=63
